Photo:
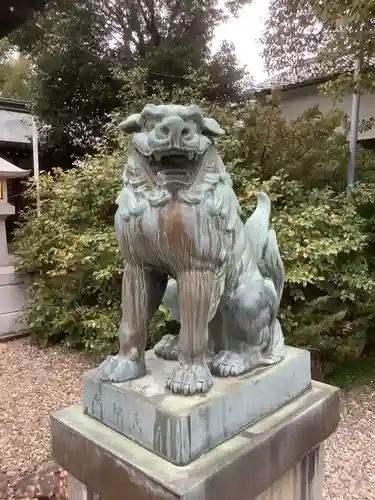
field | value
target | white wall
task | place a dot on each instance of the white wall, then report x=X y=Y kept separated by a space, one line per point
x=294 y=102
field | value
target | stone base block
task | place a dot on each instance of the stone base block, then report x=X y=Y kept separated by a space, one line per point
x=304 y=481
x=179 y=428
x=279 y=457
x=12 y=302
x=12 y=325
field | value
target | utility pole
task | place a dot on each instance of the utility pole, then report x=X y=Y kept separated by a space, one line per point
x=36 y=163
x=354 y=122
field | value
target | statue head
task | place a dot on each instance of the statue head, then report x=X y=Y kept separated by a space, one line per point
x=171 y=137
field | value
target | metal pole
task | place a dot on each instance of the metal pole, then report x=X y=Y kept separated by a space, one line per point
x=354 y=123
x=36 y=165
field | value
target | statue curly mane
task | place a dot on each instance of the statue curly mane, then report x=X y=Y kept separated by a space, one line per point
x=211 y=189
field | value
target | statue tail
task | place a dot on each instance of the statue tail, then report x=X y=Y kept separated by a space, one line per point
x=273 y=268
x=263 y=244
x=273 y=265
x=257 y=226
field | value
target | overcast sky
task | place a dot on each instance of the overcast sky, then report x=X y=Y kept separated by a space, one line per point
x=245 y=32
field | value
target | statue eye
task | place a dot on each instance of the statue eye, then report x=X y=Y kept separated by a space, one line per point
x=192 y=124
x=149 y=124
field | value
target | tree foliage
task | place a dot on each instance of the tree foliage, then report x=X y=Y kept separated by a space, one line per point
x=79 y=48
x=298 y=29
x=73 y=88
x=326 y=236
x=334 y=32
x=15 y=73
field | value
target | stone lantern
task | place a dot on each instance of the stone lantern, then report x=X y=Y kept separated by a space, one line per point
x=12 y=289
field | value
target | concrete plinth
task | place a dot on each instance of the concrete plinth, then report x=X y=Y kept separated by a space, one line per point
x=179 y=428
x=279 y=457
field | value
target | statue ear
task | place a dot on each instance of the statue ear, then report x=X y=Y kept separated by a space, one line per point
x=131 y=124
x=211 y=128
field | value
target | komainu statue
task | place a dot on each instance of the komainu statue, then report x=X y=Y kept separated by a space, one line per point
x=182 y=240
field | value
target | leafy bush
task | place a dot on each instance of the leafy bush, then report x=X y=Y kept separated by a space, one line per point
x=325 y=234
x=327 y=250
x=72 y=252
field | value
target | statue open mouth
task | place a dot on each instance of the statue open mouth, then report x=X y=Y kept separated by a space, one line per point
x=175 y=155
x=174 y=166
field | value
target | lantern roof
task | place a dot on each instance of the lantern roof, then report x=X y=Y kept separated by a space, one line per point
x=8 y=170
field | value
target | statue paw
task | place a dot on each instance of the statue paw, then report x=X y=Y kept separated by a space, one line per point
x=167 y=347
x=230 y=364
x=190 y=379
x=120 y=369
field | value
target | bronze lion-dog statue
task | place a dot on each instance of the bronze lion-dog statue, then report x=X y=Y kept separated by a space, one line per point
x=183 y=242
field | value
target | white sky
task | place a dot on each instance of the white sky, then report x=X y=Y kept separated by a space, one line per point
x=245 y=32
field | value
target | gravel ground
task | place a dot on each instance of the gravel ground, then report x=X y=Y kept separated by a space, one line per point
x=33 y=382
x=350 y=463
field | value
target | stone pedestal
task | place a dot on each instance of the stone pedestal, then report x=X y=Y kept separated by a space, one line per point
x=12 y=288
x=258 y=437
x=180 y=429
x=278 y=458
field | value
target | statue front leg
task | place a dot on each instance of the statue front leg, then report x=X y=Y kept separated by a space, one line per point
x=193 y=376
x=168 y=346
x=142 y=292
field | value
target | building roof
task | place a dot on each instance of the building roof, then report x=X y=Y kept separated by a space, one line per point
x=308 y=72
x=15 y=122
x=13 y=105
x=13 y=13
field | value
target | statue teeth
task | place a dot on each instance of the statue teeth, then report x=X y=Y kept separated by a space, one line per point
x=157 y=156
x=190 y=155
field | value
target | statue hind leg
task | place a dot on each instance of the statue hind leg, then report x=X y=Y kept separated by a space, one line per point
x=274 y=351
x=256 y=338
x=167 y=347
x=245 y=357
x=142 y=292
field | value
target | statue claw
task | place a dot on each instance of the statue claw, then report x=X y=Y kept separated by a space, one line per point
x=235 y=363
x=106 y=368
x=167 y=347
x=230 y=364
x=190 y=379
x=120 y=369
